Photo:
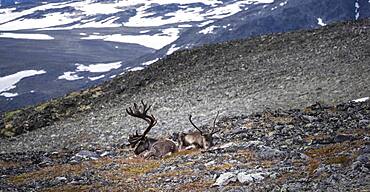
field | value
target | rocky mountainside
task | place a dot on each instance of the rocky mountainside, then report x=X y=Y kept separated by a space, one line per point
x=260 y=86
x=319 y=148
x=50 y=48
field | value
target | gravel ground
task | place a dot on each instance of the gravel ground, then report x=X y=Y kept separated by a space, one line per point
x=290 y=70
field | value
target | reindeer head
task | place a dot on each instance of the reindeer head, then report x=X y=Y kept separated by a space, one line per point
x=140 y=141
x=200 y=138
x=156 y=148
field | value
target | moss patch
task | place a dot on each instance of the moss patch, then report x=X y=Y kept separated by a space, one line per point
x=9 y=115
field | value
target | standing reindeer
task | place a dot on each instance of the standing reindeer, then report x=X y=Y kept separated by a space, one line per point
x=156 y=148
x=197 y=139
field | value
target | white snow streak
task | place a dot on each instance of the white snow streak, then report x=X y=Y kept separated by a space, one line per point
x=70 y=76
x=96 y=78
x=209 y=29
x=156 y=41
x=26 y=36
x=136 y=69
x=8 y=82
x=150 y=62
x=98 y=68
x=361 y=99
x=7 y=94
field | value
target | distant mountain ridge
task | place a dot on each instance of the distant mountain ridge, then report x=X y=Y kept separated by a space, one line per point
x=82 y=43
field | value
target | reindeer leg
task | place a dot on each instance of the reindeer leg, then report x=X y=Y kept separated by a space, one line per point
x=148 y=155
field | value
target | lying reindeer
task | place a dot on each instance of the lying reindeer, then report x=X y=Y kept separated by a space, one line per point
x=156 y=148
x=197 y=139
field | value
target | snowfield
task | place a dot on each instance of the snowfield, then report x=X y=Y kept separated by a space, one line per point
x=83 y=11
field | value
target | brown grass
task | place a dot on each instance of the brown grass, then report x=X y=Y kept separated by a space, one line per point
x=333 y=149
x=332 y=154
x=246 y=154
x=8 y=164
x=139 y=169
x=119 y=187
x=47 y=173
x=288 y=175
x=196 y=186
x=313 y=164
x=341 y=159
x=173 y=173
x=221 y=167
x=182 y=153
x=126 y=167
x=267 y=116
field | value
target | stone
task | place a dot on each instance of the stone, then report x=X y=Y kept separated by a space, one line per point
x=364 y=158
x=225 y=179
x=244 y=177
x=105 y=153
x=61 y=179
x=310 y=118
x=266 y=152
x=85 y=154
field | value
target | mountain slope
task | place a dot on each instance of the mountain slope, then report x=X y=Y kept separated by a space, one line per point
x=69 y=40
x=238 y=77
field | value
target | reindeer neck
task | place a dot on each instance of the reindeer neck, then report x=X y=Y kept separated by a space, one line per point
x=152 y=140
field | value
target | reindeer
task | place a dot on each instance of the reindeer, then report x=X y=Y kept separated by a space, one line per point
x=197 y=139
x=156 y=148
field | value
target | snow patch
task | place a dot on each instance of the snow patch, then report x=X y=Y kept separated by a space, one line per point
x=96 y=78
x=209 y=29
x=7 y=94
x=8 y=82
x=98 y=68
x=205 y=23
x=361 y=99
x=172 y=49
x=283 y=3
x=320 y=22
x=150 y=62
x=70 y=76
x=136 y=69
x=145 y=31
x=156 y=41
x=357 y=10
x=26 y=36
x=184 y=25
x=52 y=19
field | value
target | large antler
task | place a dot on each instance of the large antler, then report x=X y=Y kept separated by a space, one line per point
x=195 y=125
x=213 y=129
x=150 y=119
x=214 y=125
